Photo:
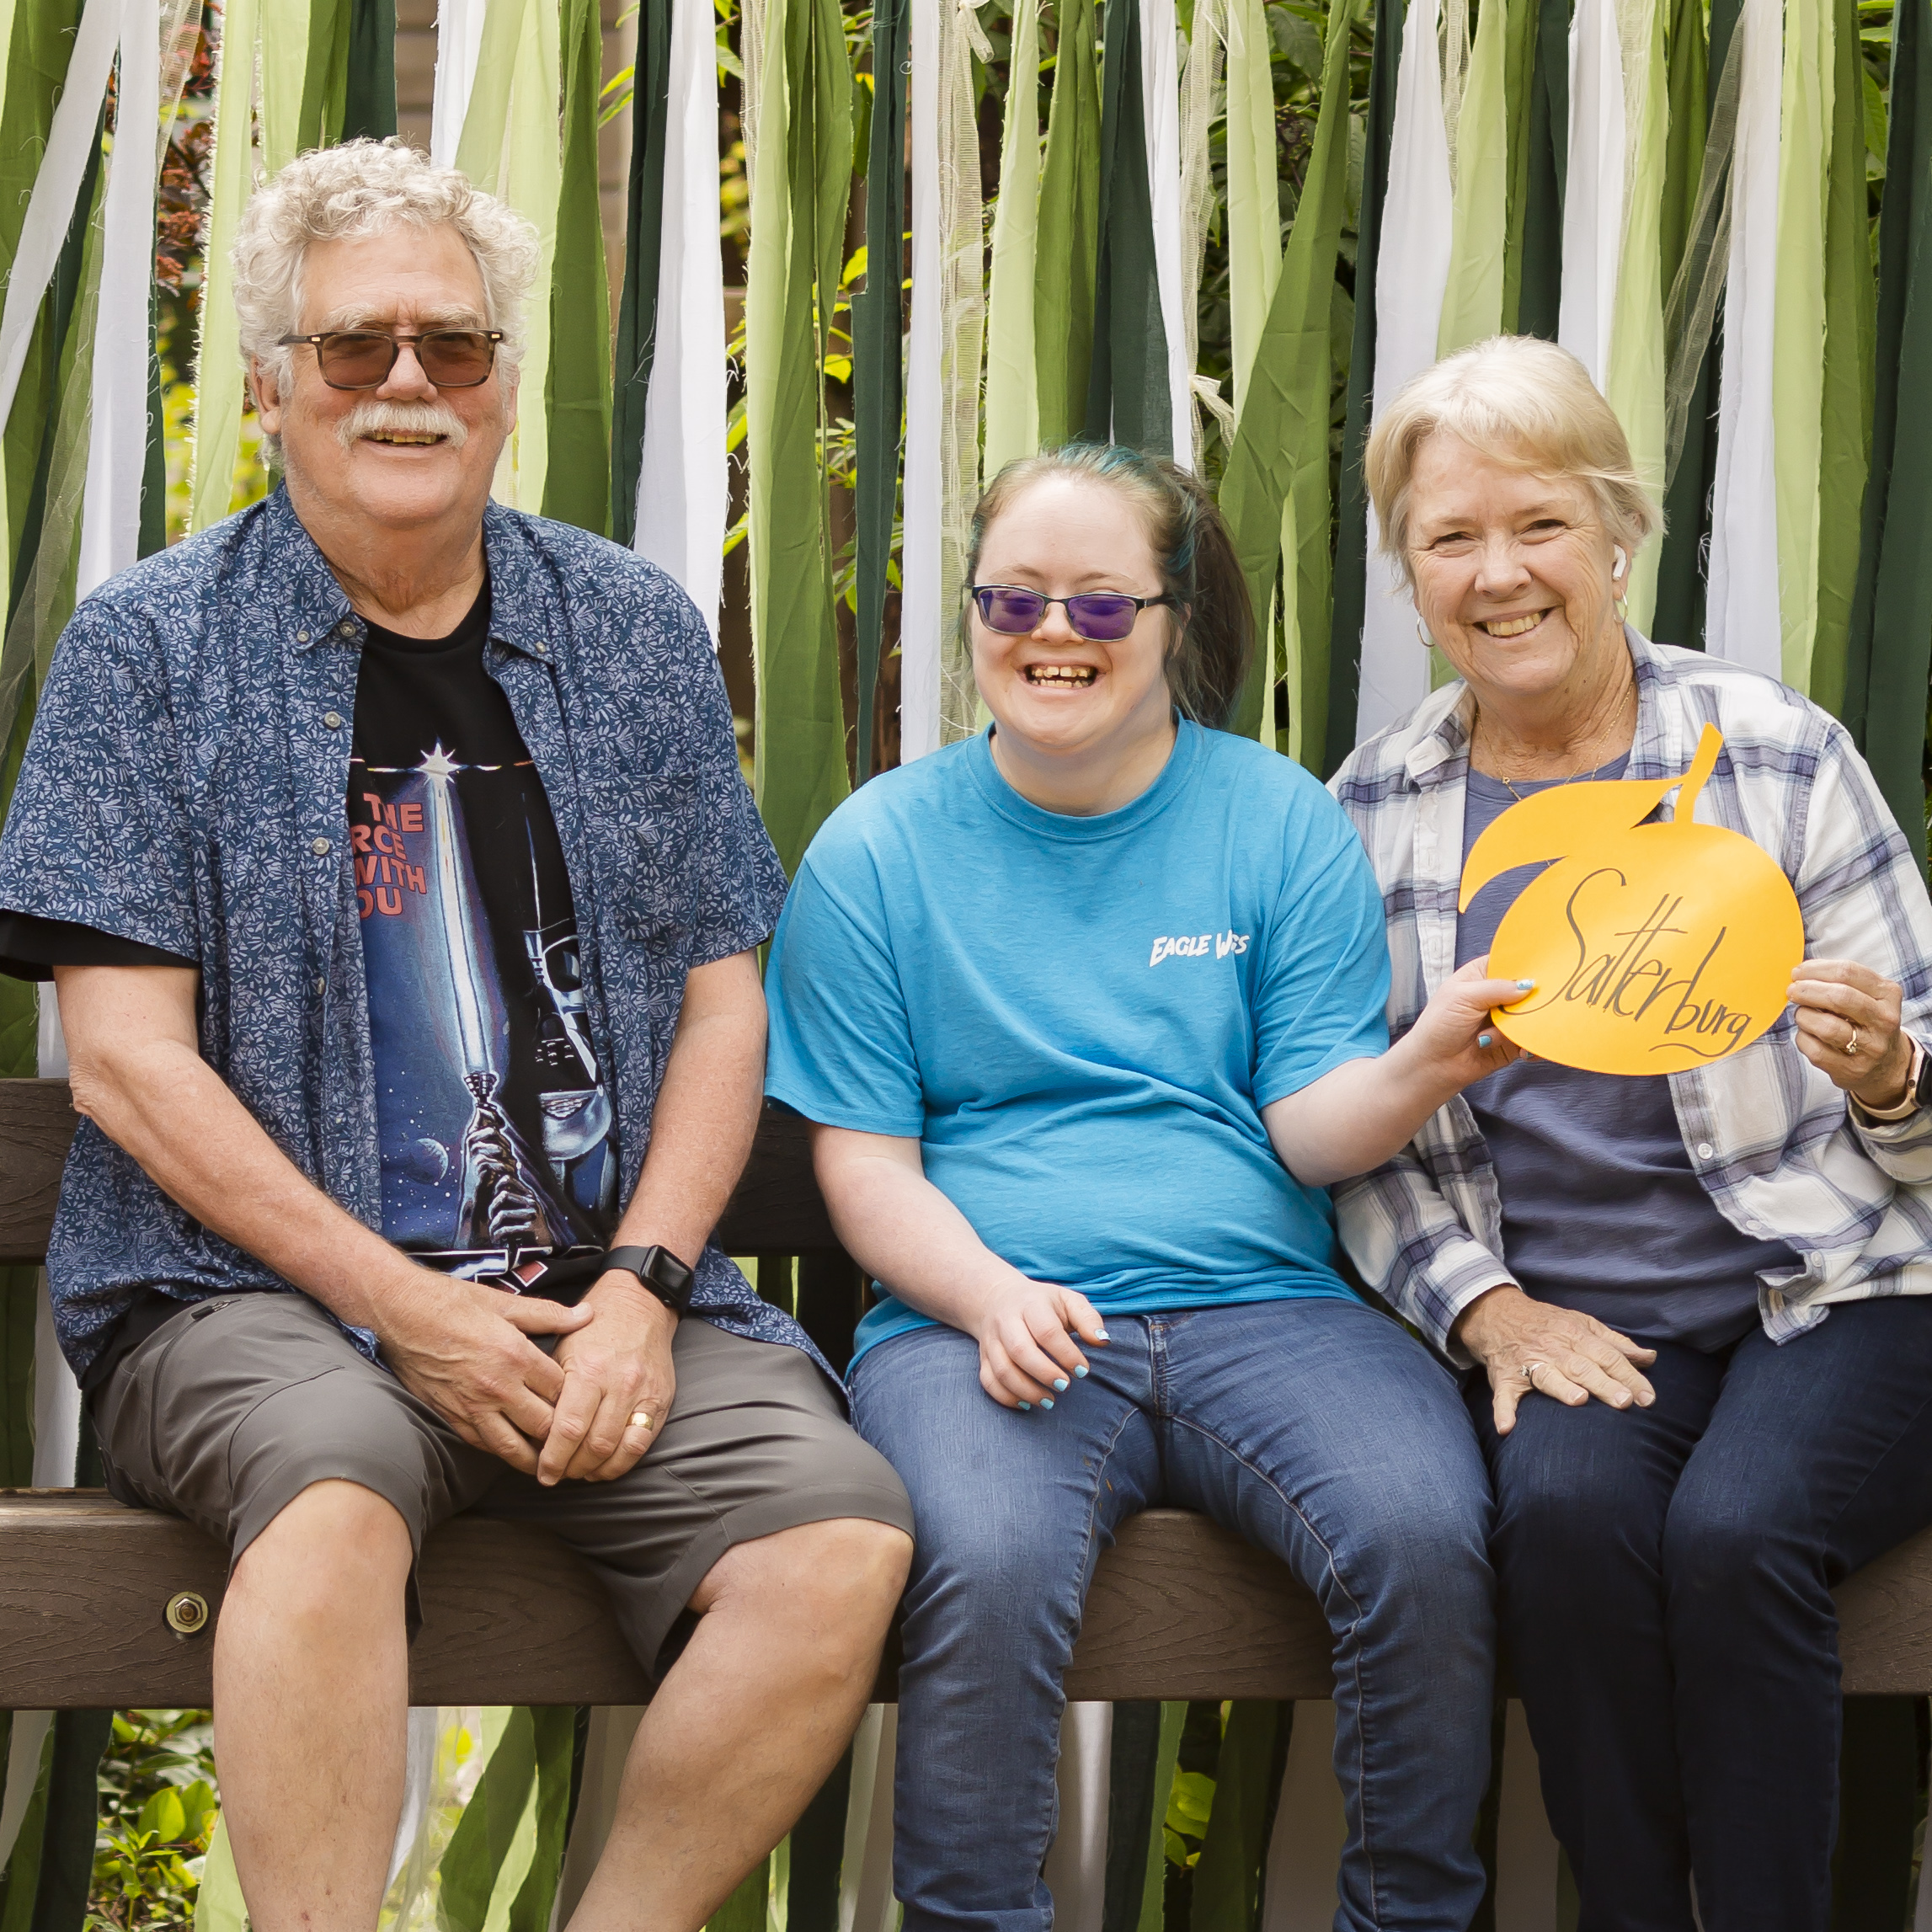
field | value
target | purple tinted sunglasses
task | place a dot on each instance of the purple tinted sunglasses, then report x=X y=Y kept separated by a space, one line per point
x=1100 y=617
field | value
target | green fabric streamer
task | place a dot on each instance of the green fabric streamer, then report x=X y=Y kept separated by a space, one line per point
x=1127 y=398
x=879 y=375
x=1133 y=1820
x=577 y=479
x=1254 y=191
x=1519 y=83
x=818 y=1849
x=1473 y=301
x=744 y=1910
x=1280 y=448
x=1227 y=1881
x=1845 y=442
x=71 y=1819
x=369 y=94
x=1069 y=230
x=478 y=1849
x=1690 y=118
x=643 y=239
x=1012 y=389
x=797 y=224
x=1797 y=397
x=1154 y=1884
x=554 y=1739
x=1539 y=280
x=218 y=375
x=219 y=1906
x=1352 y=545
x=1889 y=651
x=19 y=1883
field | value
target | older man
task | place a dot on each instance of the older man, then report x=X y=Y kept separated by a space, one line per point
x=390 y=857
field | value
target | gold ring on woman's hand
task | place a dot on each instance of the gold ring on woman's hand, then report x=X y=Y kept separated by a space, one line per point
x=1851 y=1045
x=641 y=1419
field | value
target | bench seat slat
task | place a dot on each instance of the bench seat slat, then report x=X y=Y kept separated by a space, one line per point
x=1179 y=1609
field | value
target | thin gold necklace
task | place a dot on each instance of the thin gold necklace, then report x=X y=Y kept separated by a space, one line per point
x=1579 y=773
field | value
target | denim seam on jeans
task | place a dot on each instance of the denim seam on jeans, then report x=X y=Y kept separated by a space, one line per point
x=1295 y=1510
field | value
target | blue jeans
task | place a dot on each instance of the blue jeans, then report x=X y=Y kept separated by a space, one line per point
x=1318 y=1429
x=1665 y=1578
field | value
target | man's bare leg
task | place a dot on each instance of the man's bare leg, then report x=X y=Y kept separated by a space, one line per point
x=749 y=1721
x=311 y=1693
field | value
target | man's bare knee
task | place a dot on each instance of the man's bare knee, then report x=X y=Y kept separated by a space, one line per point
x=844 y=1567
x=338 y=1552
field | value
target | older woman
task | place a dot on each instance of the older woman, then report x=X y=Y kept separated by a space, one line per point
x=1698 y=1297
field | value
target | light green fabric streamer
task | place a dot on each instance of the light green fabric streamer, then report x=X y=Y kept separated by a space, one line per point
x=1844 y=452
x=1797 y=354
x=1012 y=391
x=1254 y=197
x=1280 y=437
x=218 y=364
x=219 y=1906
x=1154 y=1886
x=1068 y=235
x=1472 y=302
x=797 y=223
x=1635 y=380
x=511 y=144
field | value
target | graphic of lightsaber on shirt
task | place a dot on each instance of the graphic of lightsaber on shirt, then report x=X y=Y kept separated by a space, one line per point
x=502 y=1206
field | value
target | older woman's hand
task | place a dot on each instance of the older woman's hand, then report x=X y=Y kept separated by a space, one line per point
x=1848 y=1028
x=1526 y=1344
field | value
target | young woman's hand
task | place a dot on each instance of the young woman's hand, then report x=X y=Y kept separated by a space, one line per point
x=1026 y=1332
x=1455 y=1037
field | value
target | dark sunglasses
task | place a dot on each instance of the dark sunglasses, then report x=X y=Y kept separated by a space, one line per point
x=1100 y=617
x=362 y=358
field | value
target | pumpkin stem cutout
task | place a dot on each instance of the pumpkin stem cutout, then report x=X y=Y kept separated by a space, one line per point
x=1653 y=947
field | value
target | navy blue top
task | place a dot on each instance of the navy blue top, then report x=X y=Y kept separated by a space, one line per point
x=1602 y=1209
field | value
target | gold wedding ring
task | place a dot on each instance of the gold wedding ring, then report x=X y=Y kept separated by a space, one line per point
x=1850 y=1046
x=641 y=1419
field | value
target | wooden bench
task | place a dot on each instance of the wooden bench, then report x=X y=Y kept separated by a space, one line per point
x=1179 y=1608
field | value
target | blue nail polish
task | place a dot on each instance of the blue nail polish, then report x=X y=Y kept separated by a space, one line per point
x=1026 y=1408
x=1059 y=1383
x=1080 y=1373
x=1046 y=1402
x=1482 y=1039
x=1528 y=986
x=1102 y=1335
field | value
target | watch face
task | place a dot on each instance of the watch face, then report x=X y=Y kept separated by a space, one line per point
x=1922 y=1087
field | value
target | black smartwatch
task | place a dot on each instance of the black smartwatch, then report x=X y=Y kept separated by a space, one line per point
x=660 y=1271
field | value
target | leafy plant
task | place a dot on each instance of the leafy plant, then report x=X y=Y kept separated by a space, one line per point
x=158 y=1806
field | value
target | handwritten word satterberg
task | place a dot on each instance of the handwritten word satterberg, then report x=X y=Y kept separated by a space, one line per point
x=1652 y=946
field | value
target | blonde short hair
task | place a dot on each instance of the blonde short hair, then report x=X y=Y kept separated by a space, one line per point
x=1523 y=402
x=366 y=188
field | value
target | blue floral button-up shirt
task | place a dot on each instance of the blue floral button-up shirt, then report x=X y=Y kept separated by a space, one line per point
x=185 y=787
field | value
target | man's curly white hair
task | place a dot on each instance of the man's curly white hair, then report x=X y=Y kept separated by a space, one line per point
x=366 y=188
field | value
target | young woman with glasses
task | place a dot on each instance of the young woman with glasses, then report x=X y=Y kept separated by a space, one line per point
x=1088 y=1013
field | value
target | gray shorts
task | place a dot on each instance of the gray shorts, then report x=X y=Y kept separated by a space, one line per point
x=228 y=1411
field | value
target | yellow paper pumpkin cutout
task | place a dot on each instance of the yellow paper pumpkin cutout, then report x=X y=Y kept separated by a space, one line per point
x=1653 y=948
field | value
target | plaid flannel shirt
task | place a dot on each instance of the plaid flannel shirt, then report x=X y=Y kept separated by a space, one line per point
x=1774 y=1143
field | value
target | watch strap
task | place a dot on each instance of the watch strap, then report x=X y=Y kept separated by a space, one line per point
x=669 y=1279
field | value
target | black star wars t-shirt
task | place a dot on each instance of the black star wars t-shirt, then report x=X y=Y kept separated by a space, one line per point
x=494 y=1115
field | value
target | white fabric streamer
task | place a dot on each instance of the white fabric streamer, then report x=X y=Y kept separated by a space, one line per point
x=1593 y=188
x=117 y=437
x=1743 y=623
x=1075 y=1871
x=1160 y=94
x=684 y=482
x=50 y=208
x=920 y=615
x=459 y=42
x=866 y=1902
x=23 y=1750
x=1411 y=274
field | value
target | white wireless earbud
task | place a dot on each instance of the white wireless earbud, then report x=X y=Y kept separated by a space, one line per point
x=1619 y=562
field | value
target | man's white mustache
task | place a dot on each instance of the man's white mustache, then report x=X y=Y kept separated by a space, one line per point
x=371 y=417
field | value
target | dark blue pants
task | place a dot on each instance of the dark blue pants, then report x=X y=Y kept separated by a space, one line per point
x=1665 y=1579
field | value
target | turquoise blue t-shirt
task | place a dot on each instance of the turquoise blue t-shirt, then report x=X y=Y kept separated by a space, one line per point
x=1080 y=1018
